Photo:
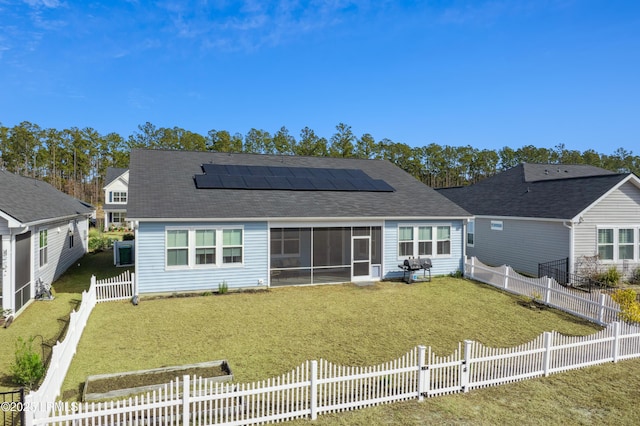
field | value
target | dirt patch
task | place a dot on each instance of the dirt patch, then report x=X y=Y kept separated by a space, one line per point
x=127 y=381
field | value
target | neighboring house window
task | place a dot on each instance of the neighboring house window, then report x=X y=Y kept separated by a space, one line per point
x=444 y=240
x=405 y=241
x=415 y=241
x=232 y=246
x=71 y=242
x=616 y=244
x=205 y=246
x=43 y=247
x=425 y=241
x=285 y=242
x=471 y=233
x=626 y=244
x=118 y=197
x=196 y=247
x=177 y=247
x=117 y=217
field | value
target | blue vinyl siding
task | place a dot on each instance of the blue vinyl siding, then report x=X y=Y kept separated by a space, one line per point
x=153 y=276
x=441 y=265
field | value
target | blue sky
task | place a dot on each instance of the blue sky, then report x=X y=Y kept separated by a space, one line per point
x=483 y=73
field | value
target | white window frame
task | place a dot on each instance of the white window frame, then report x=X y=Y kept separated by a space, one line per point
x=192 y=247
x=616 y=242
x=471 y=232
x=119 y=197
x=416 y=241
x=122 y=218
x=43 y=250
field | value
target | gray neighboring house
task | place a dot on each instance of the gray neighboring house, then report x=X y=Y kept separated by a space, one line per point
x=537 y=213
x=43 y=231
x=250 y=220
x=116 y=191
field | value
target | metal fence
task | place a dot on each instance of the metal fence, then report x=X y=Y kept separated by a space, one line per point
x=12 y=408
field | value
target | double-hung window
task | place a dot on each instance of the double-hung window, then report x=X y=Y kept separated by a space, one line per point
x=232 y=246
x=471 y=233
x=416 y=241
x=425 y=241
x=196 y=247
x=626 y=243
x=405 y=241
x=43 y=247
x=444 y=240
x=205 y=246
x=177 y=247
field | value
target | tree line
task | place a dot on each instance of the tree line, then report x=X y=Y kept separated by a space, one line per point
x=75 y=160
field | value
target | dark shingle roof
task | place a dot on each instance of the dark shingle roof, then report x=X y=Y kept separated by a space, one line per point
x=161 y=185
x=113 y=173
x=536 y=190
x=29 y=200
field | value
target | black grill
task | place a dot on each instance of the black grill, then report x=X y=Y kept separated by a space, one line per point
x=409 y=266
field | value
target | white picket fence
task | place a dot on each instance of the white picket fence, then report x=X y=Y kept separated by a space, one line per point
x=122 y=287
x=318 y=387
x=595 y=307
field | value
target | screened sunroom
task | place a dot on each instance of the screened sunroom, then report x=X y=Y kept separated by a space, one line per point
x=321 y=255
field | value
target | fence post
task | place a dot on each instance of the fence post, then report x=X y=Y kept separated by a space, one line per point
x=466 y=366
x=473 y=267
x=616 y=341
x=423 y=374
x=601 y=308
x=185 y=400
x=134 y=284
x=93 y=285
x=314 y=389
x=506 y=276
x=547 y=352
x=28 y=415
x=547 y=296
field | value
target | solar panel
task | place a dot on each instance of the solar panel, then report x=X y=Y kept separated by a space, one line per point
x=235 y=176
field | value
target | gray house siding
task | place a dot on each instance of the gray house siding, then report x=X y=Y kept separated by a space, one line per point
x=60 y=256
x=621 y=208
x=154 y=277
x=521 y=244
x=442 y=265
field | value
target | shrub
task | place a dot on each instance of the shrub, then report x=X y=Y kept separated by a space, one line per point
x=610 y=278
x=94 y=233
x=223 y=287
x=635 y=277
x=128 y=237
x=628 y=304
x=28 y=367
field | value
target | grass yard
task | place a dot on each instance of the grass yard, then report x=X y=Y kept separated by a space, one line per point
x=47 y=320
x=268 y=333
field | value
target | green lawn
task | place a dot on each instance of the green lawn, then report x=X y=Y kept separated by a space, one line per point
x=265 y=334
x=47 y=320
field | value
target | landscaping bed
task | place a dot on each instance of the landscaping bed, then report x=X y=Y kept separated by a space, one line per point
x=103 y=386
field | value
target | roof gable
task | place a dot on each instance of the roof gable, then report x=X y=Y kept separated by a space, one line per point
x=30 y=200
x=114 y=173
x=528 y=191
x=162 y=185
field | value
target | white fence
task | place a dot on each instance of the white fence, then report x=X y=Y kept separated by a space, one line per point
x=318 y=387
x=121 y=287
x=595 y=307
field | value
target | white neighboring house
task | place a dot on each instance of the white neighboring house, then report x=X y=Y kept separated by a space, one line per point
x=116 y=194
x=42 y=233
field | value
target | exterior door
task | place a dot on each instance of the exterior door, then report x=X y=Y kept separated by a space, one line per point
x=361 y=258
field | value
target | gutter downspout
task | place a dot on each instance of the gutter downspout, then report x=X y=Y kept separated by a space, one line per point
x=569 y=224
